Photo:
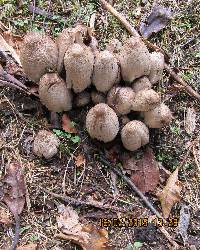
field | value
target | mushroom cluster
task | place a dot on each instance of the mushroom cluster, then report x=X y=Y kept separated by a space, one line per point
x=73 y=72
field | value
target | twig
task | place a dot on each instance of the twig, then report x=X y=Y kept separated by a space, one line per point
x=133 y=32
x=17 y=232
x=77 y=202
x=145 y=200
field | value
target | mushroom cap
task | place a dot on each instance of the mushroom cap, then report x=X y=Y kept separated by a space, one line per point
x=82 y=99
x=145 y=100
x=63 y=41
x=98 y=97
x=121 y=99
x=105 y=72
x=45 y=144
x=157 y=66
x=54 y=93
x=78 y=61
x=134 y=59
x=134 y=135
x=102 y=123
x=158 y=117
x=141 y=84
x=38 y=55
x=114 y=46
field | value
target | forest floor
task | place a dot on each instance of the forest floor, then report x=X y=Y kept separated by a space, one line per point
x=22 y=116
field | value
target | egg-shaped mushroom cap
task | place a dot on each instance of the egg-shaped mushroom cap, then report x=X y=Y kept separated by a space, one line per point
x=105 y=72
x=134 y=59
x=141 y=84
x=38 y=55
x=54 y=93
x=78 y=61
x=102 y=123
x=158 y=117
x=145 y=100
x=134 y=135
x=45 y=144
x=121 y=99
x=157 y=66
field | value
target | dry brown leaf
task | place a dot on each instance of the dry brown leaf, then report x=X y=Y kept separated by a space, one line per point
x=170 y=194
x=80 y=160
x=86 y=236
x=190 y=120
x=14 y=41
x=144 y=172
x=14 y=189
x=5 y=217
x=67 y=125
x=5 y=47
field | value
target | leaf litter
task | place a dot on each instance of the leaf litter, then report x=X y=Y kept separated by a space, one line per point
x=89 y=237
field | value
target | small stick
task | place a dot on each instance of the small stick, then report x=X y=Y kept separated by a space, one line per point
x=77 y=202
x=133 y=32
x=17 y=232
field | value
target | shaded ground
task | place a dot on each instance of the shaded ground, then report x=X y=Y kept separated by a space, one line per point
x=21 y=117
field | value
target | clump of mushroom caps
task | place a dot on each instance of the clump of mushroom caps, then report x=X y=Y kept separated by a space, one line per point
x=72 y=72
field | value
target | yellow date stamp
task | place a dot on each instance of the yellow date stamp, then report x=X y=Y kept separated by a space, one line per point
x=130 y=222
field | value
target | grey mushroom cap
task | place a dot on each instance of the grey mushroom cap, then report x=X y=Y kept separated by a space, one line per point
x=54 y=94
x=141 y=84
x=134 y=59
x=78 y=61
x=157 y=66
x=158 y=117
x=45 y=144
x=38 y=55
x=146 y=100
x=121 y=99
x=102 y=123
x=98 y=97
x=134 y=135
x=105 y=72
x=82 y=99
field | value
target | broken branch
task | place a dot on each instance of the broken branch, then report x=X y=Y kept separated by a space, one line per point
x=133 y=32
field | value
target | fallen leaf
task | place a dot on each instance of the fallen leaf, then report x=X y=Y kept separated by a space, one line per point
x=170 y=194
x=190 y=120
x=80 y=160
x=86 y=236
x=5 y=47
x=5 y=217
x=144 y=172
x=157 y=20
x=67 y=125
x=184 y=222
x=14 y=41
x=14 y=189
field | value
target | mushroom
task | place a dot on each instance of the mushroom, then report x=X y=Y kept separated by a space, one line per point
x=102 y=123
x=114 y=46
x=64 y=40
x=134 y=59
x=105 y=73
x=121 y=99
x=134 y=135
x=158 y=117
x=145 y=100
x=78 y=61
x=38 y=55
x=157 y=66
x=45 y=144
x=141 y=84
x=82 y=99
x=54 y=94
x=98 y=97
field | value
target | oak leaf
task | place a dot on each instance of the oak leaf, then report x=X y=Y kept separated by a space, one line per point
x=170 y=194
x=67 y=124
